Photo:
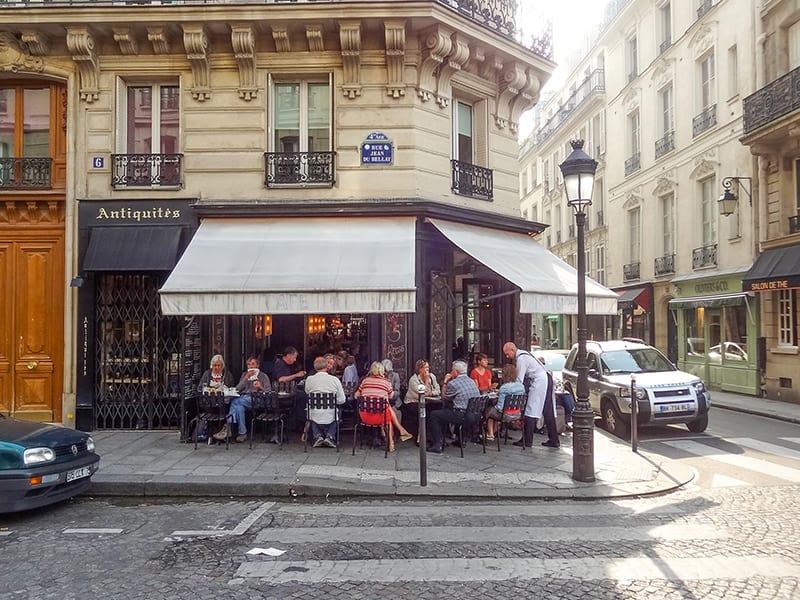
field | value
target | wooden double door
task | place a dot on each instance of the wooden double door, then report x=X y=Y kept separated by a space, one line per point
x=32 y=323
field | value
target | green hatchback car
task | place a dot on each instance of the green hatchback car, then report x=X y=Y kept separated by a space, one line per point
x=41 y=463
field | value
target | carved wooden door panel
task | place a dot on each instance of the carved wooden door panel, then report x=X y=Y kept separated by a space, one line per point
x=32 y=342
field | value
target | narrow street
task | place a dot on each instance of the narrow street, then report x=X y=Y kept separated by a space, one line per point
x=731 y=534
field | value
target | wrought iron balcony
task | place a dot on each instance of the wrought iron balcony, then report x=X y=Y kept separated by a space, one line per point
x=472 y=180
x=632 y=164
x=665 y=144
x=146 y=170
x=705 y=120
x=705 y=256
x=794 y=224
x=773 y=101
x=299 y=169
x=18 y=173
x=594 y=84
x=599 y=218
x=664 y=264
x=704 y=8
x=630 y=271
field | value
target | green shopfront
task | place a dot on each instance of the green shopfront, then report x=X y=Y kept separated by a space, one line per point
x=717 y=330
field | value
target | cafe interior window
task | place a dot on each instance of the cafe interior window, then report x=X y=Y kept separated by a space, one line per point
x=787 y=318
x=479 y=314
x=695 y=338
x=735 y=335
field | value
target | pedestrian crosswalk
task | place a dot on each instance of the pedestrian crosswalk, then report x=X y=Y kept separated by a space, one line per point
x=742 y=461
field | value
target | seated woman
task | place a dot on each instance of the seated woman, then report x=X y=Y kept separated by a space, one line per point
x=481 y=374
x=216 y=377
x=410 y=407
x=510 y=386
x=252 y=380
x=394 y=379
x=378 y=386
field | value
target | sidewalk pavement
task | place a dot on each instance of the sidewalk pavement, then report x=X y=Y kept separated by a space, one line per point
x=156 y=463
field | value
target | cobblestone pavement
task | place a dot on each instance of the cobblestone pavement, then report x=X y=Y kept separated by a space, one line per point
x=729 y=543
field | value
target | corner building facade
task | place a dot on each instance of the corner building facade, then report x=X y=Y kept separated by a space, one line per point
x=239 y=177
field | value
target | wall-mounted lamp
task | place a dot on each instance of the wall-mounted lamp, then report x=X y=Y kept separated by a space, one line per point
x=728 y=199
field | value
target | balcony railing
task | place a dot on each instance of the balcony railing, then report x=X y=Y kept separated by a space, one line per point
x=146 y=170
x=25 y=173
x=299 y=169
x=794 y=224
x=665 y=144
x=773 y=101
x=593 y=84
x=632 y=164
x=704 y=8
x=630 y=271
x=705 y=120
x=472 y=180
x=664 y=264
x=705 y=256
x=599 y=218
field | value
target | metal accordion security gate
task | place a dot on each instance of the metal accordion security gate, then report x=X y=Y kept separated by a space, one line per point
x=137 y=355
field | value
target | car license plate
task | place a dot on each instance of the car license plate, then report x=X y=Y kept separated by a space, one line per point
x=78 y=473
x=669 y=408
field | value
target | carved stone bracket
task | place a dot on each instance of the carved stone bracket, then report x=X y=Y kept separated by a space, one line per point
x=665 y=184
x=243 y=40
x=195 y=41
x=14 y=58
x=513 y=81
x=437 y=46
x=528 y=96
x=22 y=213
x=395 y=32
x=157 y=36
x=633 y=199
x=457 y=58
x=491 y=68
x=281 y=36
x=80 y=44
x=350 y=40
x=127 y=43
x=703 y=167
x=37 y=42
x=314 y=37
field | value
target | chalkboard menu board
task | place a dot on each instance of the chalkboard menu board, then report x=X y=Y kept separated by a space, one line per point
x=192 y=367
x=395 y=342
x=438 y=347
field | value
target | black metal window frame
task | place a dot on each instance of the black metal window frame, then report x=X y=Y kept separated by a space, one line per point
x=631 y=271
x=292 y=169
x=472 y=180
x=146 y=171
x=21 y=173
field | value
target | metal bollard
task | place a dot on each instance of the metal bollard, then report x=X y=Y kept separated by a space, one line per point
x=423 y=439
x=634 y=416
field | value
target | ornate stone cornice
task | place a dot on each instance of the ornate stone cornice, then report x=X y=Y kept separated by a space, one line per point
x=437 y=45
x=243 y=39
x=157 y=36
x=665 y=184
x=662 y=71
x=633 y=199
x=350 y=40
x=80 y=44
x=14 y=58
x=631 y=98
x=195 y=41
x=491 y=68
x=127 y=43
x=458 y=56
x=703 y=167
x=37 y=42
x=281 y=36
x=528 y=97
x=514 y=79
x=395 y=32
x=32 y=212
x=703 y=38
x=314 y=37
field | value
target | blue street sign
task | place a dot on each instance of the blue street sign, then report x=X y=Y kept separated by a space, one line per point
x=377 y=149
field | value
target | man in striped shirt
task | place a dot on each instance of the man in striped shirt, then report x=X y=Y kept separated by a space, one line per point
x=458 y=388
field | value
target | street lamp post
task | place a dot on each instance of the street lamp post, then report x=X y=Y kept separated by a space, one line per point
x=578 y=171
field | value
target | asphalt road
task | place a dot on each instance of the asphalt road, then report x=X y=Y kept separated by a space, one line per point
x=718 y=539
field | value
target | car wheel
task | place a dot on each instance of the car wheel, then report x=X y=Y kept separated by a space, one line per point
x=613 y=420
x=698 y=425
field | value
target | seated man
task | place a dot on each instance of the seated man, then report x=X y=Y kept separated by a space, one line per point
x=287 y=371
x=458 y=388
x=323 y=422
x=251 y=381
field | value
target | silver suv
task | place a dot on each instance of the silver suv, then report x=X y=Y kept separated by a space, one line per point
x=665 y=395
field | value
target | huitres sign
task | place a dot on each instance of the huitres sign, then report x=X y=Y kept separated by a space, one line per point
x=377 y=149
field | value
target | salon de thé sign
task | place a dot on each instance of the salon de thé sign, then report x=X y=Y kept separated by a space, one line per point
x=377 y=149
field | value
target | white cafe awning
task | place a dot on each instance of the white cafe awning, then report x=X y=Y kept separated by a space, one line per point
x=547 y=284
x=295 y=266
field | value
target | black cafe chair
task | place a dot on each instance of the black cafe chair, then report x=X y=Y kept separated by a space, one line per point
x=374 y=406
x=212 y=414
x=320 y=401
x=513 y=411
x=474 y=417
x=267 y=409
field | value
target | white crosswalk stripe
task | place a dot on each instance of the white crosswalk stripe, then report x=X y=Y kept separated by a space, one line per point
x=740 y=461
x=765 y=447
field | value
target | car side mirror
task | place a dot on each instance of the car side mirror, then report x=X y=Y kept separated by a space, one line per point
x=594 y=374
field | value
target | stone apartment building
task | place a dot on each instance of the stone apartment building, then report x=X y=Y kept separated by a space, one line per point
x=659 y=98
x=179 y=179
